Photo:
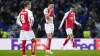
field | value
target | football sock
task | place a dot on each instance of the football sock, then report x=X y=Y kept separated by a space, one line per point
x=72 y=43
x=23 y=47
x=66 y=41
x=33 y=47
x=48 y=43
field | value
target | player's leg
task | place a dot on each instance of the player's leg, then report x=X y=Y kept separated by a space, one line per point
x=31 y=36
x=66 y=40
x=71 y=36
x=72 y=40
x=23 y=47
x=33 y=47
x=68 y=36
x=49 y=28
x=49 y=38
x=22 y=38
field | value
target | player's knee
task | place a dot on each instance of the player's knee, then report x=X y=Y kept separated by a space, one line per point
x=71 y=38
x=23 y=41
x=67 y=37
x=33 y=40
x=49 y=35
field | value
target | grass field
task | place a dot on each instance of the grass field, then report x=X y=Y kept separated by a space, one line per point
x=56 y=53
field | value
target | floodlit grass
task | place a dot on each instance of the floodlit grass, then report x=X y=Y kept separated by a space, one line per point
x=56 y=53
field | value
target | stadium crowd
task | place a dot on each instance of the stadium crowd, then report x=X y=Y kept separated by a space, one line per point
x=87 y=13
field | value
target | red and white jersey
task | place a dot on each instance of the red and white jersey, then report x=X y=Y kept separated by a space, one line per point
x=46 y=12
x=70 y=20
x=51 y=14
x=25 y=19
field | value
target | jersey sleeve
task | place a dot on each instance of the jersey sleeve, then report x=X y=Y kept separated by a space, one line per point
x=30 y=17
x=65 y=16
x=18 y=20
x=45 y=12
x=75 y=21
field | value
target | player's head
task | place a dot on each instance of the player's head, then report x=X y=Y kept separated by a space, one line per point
x=27 y=4
x=51 y=4
x=72 y=8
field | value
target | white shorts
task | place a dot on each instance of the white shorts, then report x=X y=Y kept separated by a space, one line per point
x=26 y=35
x=49 y=28
x=69 y=31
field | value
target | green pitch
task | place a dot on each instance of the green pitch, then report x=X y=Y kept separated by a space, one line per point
x=56 y=53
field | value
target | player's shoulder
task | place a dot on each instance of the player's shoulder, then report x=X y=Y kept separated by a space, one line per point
x=28 y=10
x=22 y=9
x=67 y=13
x=45 y=9
x=73 y=13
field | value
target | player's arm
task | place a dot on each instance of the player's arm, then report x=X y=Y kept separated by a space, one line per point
x=46 y=14
x=54 y=16
x=65 y=16
x=31 y=18
x=18 y=21
x=76 y=22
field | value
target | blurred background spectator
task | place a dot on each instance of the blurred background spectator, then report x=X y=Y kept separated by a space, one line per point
x=87 y=13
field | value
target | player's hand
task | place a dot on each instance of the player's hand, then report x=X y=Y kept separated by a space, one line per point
x=80 y=25
x=59 y=28
x=51 y=9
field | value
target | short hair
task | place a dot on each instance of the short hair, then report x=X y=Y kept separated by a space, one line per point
x=51 y=2
x=72 y=7
x=26 y=3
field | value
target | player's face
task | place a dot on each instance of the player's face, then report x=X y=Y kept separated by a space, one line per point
x=72 y=9
x=51 y=5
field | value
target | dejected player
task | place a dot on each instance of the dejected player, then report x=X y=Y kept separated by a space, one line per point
x=69 y=17
x=49 y=26
x=25 y=20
